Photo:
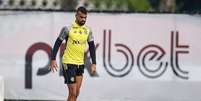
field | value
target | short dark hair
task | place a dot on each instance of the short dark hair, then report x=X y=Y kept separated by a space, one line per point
x=82 y=9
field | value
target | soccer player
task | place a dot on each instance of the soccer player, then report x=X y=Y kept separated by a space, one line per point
x=76 y=36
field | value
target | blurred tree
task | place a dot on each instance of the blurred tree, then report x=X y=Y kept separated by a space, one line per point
x=188 y=5
x=130 y=5
x=167 y=6
x=68 y=4
x=108 y=3
x=155 y=4
x=139 y=5
x=22 y=3
x=44 y=3
x=33 y=3
x=122 y=4
x=147 y=5
x=11 y=2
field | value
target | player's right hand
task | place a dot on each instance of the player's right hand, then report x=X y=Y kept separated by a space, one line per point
x=53 y=65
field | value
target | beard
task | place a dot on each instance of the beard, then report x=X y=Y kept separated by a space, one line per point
x=81 y=23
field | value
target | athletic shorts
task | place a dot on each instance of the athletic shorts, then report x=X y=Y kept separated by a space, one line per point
x=70 y=71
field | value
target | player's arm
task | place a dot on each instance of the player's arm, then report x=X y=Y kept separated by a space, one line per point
x=92 y=51
x=59 y=40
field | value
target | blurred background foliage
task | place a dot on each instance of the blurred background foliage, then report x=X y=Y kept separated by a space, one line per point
x=158 y=6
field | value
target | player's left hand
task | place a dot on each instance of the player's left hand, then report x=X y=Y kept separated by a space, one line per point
x=93 y=69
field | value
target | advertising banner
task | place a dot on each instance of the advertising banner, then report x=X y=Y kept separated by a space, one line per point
x=140 y=57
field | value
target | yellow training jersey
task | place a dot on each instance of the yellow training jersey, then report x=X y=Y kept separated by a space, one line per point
x=77 y=37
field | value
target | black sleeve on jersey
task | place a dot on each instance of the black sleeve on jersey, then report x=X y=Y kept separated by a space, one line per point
x=92 y=51
x=62 y=36
x=56 y=48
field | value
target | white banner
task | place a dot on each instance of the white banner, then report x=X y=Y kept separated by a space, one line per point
x=140 y=57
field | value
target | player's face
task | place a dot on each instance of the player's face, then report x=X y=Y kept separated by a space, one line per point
x=81 y=18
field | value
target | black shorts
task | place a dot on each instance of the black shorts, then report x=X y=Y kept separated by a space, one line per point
x=70 y=71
